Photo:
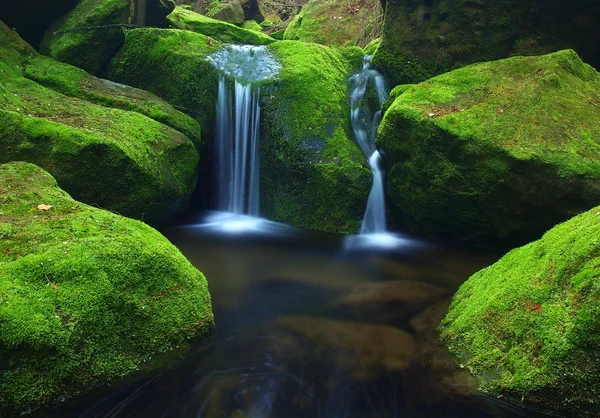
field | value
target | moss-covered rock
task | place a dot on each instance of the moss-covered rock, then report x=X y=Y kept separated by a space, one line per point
x=312 y=173
x=495 y=152
x=230 y=12
x=226 y=32
x=89 y=35
x=150 y=58
x=528 y=327
x=335 y=22
x=121 y=160
x=86 y=296
x=252 y=25
x=422 y=38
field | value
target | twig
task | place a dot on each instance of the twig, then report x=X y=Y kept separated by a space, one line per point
x=594 y=104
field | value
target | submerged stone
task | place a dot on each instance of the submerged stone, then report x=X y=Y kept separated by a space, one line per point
x=119 y=159
x=225 y=32
x=495 y=152
x=528 y=327
x=87 y=295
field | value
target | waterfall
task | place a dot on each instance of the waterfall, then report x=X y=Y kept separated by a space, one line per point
x=238 y=125
x=364 y=126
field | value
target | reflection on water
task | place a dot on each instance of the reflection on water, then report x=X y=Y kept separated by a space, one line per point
x=306 y=329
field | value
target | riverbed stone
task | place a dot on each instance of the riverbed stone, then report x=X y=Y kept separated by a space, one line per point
x=119 y=159
x=313 y=175
x=528 y=326
x=89 y=35
x=424 y=38
x=86 y=296
x=497 y=152
x=387 y=302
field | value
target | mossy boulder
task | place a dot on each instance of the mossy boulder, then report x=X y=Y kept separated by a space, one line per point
x=252 y=25
x=312 y=173
x=528 y=327
x=423 y=38
x=335 y=22
x=231 y=12
x=119 y=159
x=150 y=58
x=225 y=32
x=86 y=296
x=89 y=35
x=496 y=152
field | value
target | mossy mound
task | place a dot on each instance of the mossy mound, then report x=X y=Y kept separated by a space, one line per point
x=424 y=38
x=529 y=326
x=495 y=152
x=89 y=35
x=335 y=22
x=86 y=296
x=121 y=160
x=252 y=25
x=231 y=12
x=226 y=32
x=150 y=59
x=312 y=173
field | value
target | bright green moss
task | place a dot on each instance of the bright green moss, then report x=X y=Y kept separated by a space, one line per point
x=312 y=172
x=225 y=32
x=493 y=151
x=252 y=25
x=120 y=160
x=150 y=58
x=334 y=23
x=529 y=325
x=85 y=38
x=86 y=296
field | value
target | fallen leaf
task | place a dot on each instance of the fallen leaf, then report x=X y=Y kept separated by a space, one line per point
x=55 y=287
x=44 y=207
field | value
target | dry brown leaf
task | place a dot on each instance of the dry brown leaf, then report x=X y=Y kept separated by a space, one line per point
x=55 y=287
x=44 y=207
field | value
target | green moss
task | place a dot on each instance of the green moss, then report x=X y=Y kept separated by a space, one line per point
x=86 y=296
x=252 y=25
x=74 y=82
x=117 y=159
x=528 y=326
x=84 y=38
x=150 y=57
x=493 y=151
x=225 y=32
x=321 y=182
x=335 y=23
x=372 y=46
x=278 y=34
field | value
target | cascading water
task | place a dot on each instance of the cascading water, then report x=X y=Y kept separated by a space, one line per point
x=238 y=121
x=364 y=125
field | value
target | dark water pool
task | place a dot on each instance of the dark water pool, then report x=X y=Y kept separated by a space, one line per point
x=308 y=328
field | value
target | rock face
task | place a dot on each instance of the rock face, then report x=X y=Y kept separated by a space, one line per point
x=226 y=32
x=422 y=38
x=89 y=36
x=150 y=57
x=312 y=173
x=336 y=23
x=87 y=295
x=119 y=159
x=231 y=12
x=495 y=152
x=528 y=326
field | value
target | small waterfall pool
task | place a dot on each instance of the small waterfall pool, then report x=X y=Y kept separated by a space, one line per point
x=306 y=329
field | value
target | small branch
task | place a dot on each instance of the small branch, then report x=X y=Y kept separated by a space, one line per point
x=594 y=104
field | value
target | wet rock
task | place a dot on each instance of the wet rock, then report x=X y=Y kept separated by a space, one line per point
x=387 y=302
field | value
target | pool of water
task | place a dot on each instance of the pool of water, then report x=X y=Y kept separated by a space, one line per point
x=311 y=325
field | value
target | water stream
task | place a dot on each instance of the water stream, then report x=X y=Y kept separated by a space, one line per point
x=364 y=125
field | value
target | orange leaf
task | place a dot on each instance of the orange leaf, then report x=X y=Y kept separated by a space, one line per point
x=44 y=207
x=55 y=287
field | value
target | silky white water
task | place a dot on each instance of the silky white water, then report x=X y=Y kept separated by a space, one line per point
x=364 y=126
x=238 y=123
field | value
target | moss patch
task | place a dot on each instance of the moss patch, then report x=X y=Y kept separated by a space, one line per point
x=312 y=172
x=120 y=160
x=87 y=36
x=86 y=296
x=495 y=151
x=335 y=22
x=529 y=326
x=225 y=32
